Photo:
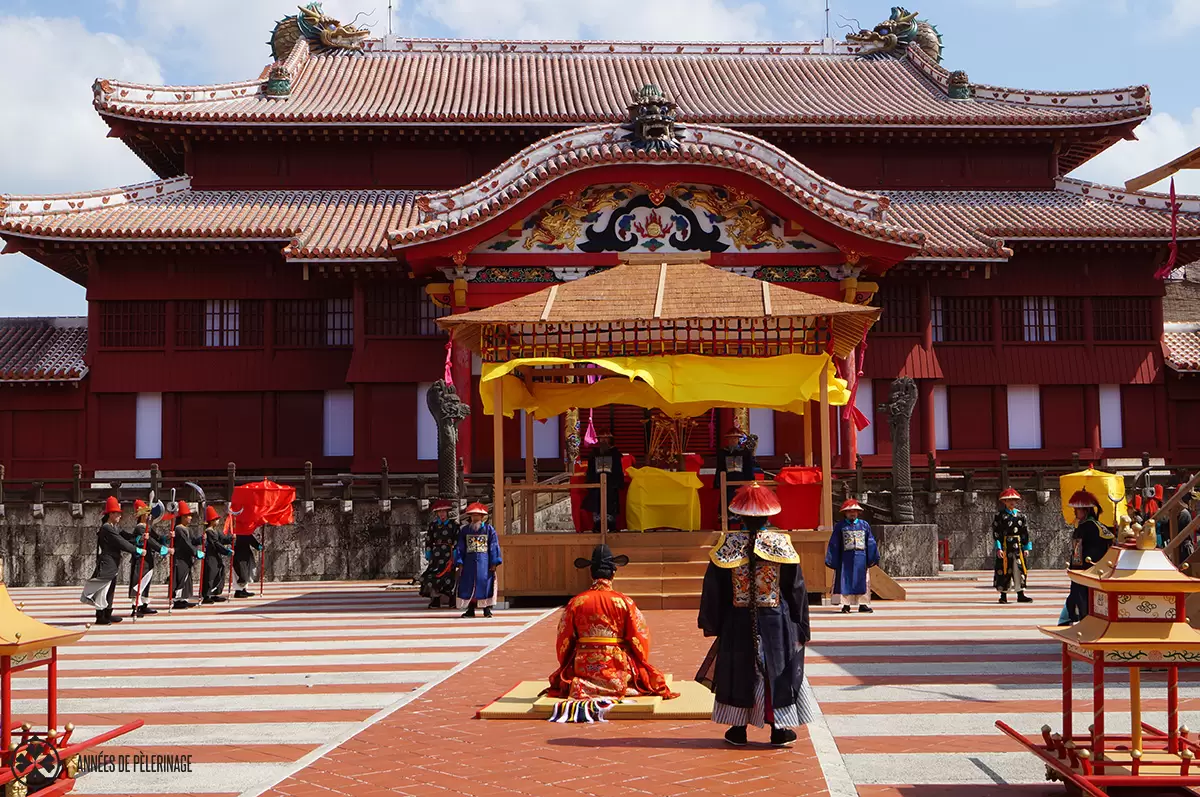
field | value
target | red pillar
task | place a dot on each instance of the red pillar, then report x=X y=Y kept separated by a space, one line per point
x=928 y=419
x=1000 y=418
x=460 y=370
x=1091 y=418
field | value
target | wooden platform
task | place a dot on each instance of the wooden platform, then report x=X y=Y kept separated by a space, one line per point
x=525 y=701
x=665 y=571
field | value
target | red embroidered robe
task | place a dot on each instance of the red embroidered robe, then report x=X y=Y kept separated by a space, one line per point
x=604 y=648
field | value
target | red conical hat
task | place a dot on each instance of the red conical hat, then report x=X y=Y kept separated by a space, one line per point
x=1137 y=502
x=210 y=514
x=140 y=507
x=440 y=505
x=1082 y=499
x=477 y=509
x=755 y=500
x=1158 y=492
x=850 y=505
x=1009 y=495
x=112 y=505
x=184 y=509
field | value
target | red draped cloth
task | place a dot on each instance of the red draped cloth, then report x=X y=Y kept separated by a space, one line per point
x=604 y=648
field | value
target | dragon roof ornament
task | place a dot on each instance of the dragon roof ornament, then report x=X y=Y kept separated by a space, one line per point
x=323 y=33
x=651 y=122
x=899 y=32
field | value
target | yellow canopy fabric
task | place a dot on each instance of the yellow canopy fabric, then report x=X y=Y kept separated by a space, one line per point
x=684 y=385
x=1099 y=484
x=662 y=499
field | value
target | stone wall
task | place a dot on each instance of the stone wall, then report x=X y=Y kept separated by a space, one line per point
x=327 y=544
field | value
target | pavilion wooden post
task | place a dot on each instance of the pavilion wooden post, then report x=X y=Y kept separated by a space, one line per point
x=808 y=433
x=603 y=508
x=529 y=497
x=826 y=465
x=724 y=477
x=498 y=456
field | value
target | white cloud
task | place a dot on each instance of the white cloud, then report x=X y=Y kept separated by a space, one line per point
x=53 y=141
x=1161 y=138
x=1183 y=17
x=674 y=20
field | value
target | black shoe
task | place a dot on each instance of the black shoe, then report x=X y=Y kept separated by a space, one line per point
x=1023 y=598
x=207 y=601
x=468 y=613
x=846 y=609
x=182 y=604
x=781 y=737
x=1003 y=597
x=241 y=593
x=220 y=599
x=109 y=618
x=103 y=619
x=865 y=609
x=736 y=736
x=487 y=611
x=145 y=610
x=436 y=603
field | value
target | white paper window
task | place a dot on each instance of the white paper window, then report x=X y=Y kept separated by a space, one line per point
x=941 y=418
x=1024 y=417
x=545 y=437
x=864 y=400
x=427 y=433
x=339 y=423
x=1110 y=416
x=148 y=436
x=339 y=322
x=762 y=423
x=222 y=322
x=1040 y=322
x=936 y=318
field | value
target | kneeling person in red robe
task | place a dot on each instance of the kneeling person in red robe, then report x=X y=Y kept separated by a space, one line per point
x=603 y=642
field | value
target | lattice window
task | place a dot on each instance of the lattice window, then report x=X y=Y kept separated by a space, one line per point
x=133 y=325
x=404 y=310
x=219 y=323
x=961 y=319
x=314 y=323
x=1042 y=319
x=1122 y=318
x=901 y=304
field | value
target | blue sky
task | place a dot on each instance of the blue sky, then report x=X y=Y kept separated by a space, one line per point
x=52 y=141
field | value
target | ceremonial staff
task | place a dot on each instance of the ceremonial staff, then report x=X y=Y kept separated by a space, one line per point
x=154 y=512
x=172 y=509
x=201 y=505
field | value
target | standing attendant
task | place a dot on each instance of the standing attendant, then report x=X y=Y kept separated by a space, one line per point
x=187 y=553
x=245 y=563
x=1089 y=543
x=604 y=458
x=142 y=567
x=851 y=553
x=438 y=579
x=99 y=590
x=737 y=462
x=216 y=543
x=1010 y=533
x=755 y=603
x=476 y=557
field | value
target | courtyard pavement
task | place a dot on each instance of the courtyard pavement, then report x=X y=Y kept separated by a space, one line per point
x=345 y=688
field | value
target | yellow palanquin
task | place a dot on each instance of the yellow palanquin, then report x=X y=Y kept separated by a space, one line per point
x=604 y=648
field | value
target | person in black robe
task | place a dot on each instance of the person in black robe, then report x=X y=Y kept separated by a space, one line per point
x=141 y=568
x=187 y=553
x=437 y=581
x=1010 y=535
x=755 y=603
x=246 y=549
x=101 y=588
x=604 y=458
x=736 y=461
x=1089 y=543
x=216 y=549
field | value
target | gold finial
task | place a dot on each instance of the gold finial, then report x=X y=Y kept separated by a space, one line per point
x=1045 y=729
x=26 y=726
x=1184 y=730
x=17 y=636
x=70 y=727
x=1186 y=754
x=1148 y=540
x=1135 y=754
x=1085 y=754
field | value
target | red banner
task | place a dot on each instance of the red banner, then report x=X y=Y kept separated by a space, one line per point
x=262 y=504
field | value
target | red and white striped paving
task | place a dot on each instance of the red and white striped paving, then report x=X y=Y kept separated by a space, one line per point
x=910 y=694
x=250 y=688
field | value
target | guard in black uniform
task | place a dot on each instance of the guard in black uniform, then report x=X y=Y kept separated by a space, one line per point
x=1010 y=533
x=101 y=588
x=736 y=461
x=604 y=458
x=217 y=542
x=187 y=553
x=142 y=567
x=245 y=563
x=1089 y=543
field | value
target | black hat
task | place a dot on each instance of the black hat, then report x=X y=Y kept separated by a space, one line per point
x=602 y=563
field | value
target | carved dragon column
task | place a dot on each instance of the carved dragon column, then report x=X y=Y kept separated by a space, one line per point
x=448 y=412
x=901 y=401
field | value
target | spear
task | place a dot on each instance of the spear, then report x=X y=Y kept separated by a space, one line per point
x=172 y=510
x=150 y=518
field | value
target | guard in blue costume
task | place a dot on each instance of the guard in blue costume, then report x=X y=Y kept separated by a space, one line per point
x=1010 y=533
x=852 y=551
x=476 y=557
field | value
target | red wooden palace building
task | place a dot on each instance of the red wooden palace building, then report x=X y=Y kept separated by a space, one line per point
x=271 y=299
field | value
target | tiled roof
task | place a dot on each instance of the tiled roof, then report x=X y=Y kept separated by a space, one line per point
x=576 y=83
x=1181 y=346
x=317 y=224
x=976 y=224
x=34 y=350
x=448 y=212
